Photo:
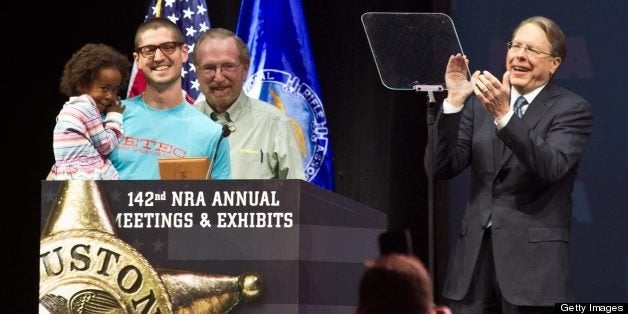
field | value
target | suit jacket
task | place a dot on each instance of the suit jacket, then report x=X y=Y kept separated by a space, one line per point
x=522 y=177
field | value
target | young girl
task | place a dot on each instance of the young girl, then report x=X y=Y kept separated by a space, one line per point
x=82 y=138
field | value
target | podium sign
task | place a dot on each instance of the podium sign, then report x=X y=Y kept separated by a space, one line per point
x=307 y=244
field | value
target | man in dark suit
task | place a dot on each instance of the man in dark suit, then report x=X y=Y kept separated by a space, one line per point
x=511 y=253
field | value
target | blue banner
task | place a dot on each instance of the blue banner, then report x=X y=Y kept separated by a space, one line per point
x=282 y=73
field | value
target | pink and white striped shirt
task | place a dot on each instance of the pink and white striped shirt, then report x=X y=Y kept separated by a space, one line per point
x=82 y=140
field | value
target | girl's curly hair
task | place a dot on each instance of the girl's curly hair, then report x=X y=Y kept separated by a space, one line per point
x=84 y=64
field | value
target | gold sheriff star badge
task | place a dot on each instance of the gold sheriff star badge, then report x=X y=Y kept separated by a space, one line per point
x=86 y=268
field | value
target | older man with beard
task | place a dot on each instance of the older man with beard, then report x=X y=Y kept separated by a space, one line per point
x=263 y=142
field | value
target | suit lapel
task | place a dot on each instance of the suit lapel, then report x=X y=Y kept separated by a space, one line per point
x=499 y=151
x=540 y=104
x=533 y=114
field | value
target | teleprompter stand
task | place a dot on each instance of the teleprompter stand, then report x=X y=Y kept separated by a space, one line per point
x=411 y=51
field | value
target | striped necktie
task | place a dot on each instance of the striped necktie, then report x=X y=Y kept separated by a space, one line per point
x=521 y=101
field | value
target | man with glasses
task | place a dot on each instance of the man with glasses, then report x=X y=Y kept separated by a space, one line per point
x=523 y=137
x=160 y=123
x=263 y=141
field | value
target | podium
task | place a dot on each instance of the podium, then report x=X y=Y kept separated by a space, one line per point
x=307 y=244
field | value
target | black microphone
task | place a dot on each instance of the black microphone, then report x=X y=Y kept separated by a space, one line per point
x=226 y=131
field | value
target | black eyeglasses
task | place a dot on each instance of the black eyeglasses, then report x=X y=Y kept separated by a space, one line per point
x=166 y=48
x=516 y=47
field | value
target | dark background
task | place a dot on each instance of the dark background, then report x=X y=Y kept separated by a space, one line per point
x=377 y=135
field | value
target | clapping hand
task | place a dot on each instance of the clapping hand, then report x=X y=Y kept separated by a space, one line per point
x=459 y=87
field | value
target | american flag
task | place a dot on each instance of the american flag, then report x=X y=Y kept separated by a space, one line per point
x=192 y=18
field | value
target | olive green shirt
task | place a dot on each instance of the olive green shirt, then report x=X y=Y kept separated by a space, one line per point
x=263 y=142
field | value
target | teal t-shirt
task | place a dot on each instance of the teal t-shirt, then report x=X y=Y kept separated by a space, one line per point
x=150 y=134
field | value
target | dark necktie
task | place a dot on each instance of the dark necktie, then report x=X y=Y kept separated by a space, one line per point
x=214 y=116
x=521 y=101
x=226 y=121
